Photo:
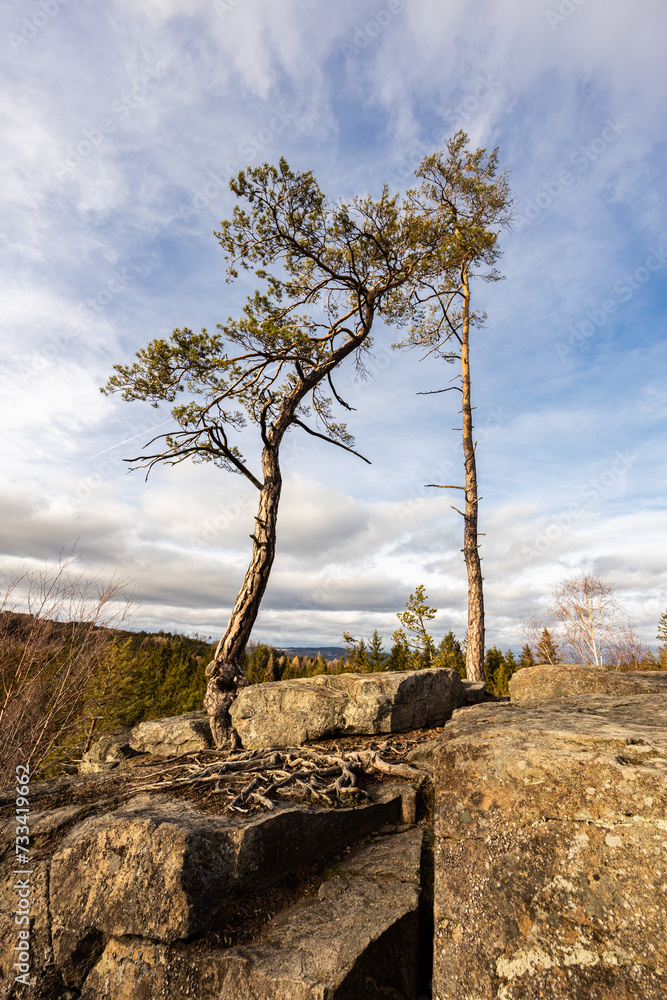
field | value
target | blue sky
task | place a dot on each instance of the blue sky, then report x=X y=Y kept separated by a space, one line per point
x=122 y=123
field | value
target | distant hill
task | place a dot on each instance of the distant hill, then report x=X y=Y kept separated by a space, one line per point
x=328 y=652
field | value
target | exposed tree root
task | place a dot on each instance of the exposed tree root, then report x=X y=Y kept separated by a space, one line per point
x=304 y=774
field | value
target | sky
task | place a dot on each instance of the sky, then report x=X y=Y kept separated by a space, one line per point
x=122 y=123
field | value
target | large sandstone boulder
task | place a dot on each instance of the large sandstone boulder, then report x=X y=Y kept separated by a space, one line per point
x=358 y=937
x=157 y=867
x=294 y=712
x=551 y=851
x=568 y=680
x=154 y=872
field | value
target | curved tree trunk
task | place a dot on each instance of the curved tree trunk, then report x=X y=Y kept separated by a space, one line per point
x=475 y=646
x=224 y=671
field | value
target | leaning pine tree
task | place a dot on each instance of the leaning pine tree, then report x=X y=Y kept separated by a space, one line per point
x=462 y=203
x=327 y=270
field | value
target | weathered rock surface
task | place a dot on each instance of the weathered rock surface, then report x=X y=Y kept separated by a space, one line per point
x=551 y=851
x=157 y=867
x=422 y=755
x=294 y=712
x=474 y=691
x=357 y=938
x=569 y=680
x=161 y=737
x=107 y=753
x=153 y=870
x=178 y=734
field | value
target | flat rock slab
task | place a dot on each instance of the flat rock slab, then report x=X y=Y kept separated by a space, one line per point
x=157 y=867
x=356 y=939
x=291 y=713
x=551 y=851
x=569 y=680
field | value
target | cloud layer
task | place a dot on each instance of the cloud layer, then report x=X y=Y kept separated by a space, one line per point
x=122 y=127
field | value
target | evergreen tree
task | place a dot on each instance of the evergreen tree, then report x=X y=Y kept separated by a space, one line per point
x=494 y=670
x=547 y=650
x=416 y=614
x=511 y=667
x=327 y=268
x=154 y=674
x=363 y=663
x=256 y=662
x=510 y=660
x=427 y=654
x=400 y=656
x=319 y=665
x=292 y=670
x=357 y=655
x=464 y=202
x=498 y=670
x=376 y=653
x=450 y=654
x=527 y=659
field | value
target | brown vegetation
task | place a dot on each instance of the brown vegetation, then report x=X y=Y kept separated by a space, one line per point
x=50 y=654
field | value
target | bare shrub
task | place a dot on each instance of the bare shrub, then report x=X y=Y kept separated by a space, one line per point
x=54 y=638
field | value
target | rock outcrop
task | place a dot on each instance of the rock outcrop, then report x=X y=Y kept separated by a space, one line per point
x=356 y=938
x=111 y=870
x=178 y=734
x=551 y=851
x=122 y=898
x=569 y=680
x=294 y=712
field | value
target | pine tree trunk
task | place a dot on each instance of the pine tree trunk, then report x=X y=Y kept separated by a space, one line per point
x=475 y=647
x=225 y=672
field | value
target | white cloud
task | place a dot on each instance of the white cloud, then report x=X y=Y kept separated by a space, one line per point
x=118 y=249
